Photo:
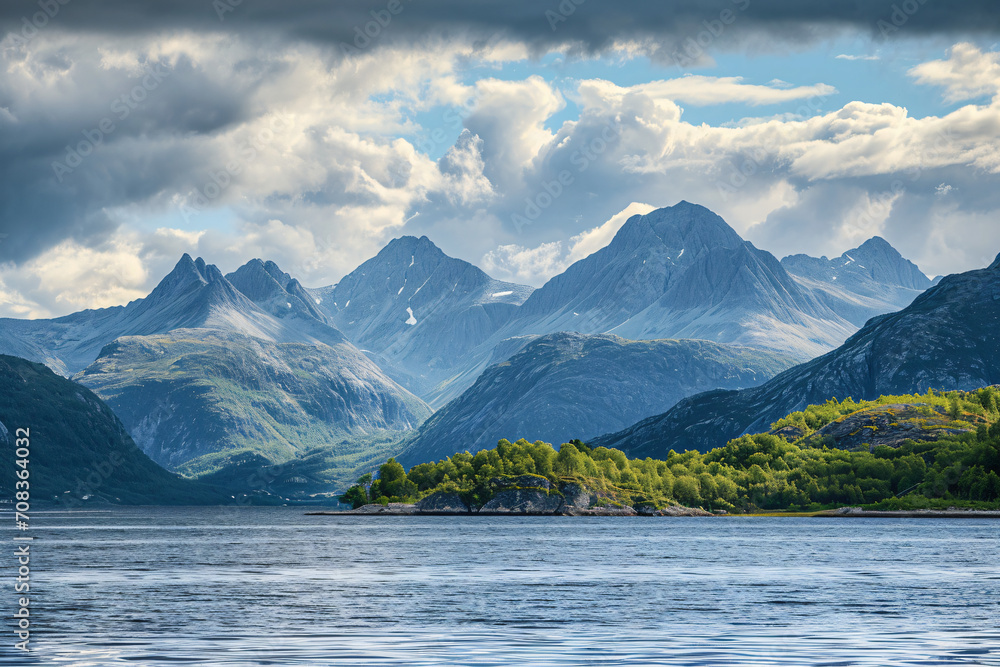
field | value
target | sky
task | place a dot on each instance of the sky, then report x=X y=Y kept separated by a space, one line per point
x=517 y=135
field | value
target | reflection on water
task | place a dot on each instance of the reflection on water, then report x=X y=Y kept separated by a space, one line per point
x=270 y=586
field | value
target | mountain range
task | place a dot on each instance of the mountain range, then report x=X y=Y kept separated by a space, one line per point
x=252 y=368
x=948 y=338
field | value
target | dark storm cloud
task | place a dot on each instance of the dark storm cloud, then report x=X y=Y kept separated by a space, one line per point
x=593 y=24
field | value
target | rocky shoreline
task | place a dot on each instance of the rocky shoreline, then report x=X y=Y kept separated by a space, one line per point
x=400 y=509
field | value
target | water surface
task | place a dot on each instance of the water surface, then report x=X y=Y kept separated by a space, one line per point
x=270 y=586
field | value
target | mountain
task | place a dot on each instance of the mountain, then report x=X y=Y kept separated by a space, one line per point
x=869 y=280
x=210 y=365
x=417 y=311
x=193 y=394
x=78 y=449
x=682 y=272
x=948 y=338
x=568 y=385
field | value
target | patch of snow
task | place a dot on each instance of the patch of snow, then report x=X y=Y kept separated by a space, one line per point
x=411 y=260
x=288 y=304
x=401 y=289
x=576 y=314
x=849 y=258
x=348 y=304
x=500 y=294
x=682 y=254
x=319 y=301
x=412 y=320
x=835 y=277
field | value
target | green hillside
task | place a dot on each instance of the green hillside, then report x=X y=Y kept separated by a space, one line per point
x=79 y=451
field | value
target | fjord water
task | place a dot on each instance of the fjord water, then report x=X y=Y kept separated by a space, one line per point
x=270 y=586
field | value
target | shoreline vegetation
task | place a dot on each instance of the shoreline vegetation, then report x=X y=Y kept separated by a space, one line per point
x=930 y=455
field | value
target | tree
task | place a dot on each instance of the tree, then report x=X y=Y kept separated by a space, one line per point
x=355 y=497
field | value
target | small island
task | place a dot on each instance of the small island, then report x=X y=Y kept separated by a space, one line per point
x=928 y=455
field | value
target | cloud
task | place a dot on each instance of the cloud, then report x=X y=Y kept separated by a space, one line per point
x=264 y=142
x=844 y=56
x=968 y=73
x=534 y=266
x=706 y=90
x=525 y=265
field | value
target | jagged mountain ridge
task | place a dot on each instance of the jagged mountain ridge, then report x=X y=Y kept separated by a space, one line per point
x=568 y=385
x=948 y=338
x=208 y=363
x=194 y=295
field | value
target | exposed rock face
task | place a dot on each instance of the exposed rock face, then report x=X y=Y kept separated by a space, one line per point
x=524 y=501
x=576 y=496
x=564 y=386
x=673 y=510
x=441 y=502
x=892 y=425
x=948 y=338
x=419 y=311
x=864 y=282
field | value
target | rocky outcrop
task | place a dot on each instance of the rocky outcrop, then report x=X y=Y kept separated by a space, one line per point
x=442 y=503
x=946 y=339
x=523 y=501
x=576 y=496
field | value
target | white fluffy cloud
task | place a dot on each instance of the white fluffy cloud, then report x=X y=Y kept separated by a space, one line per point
x=966 y=74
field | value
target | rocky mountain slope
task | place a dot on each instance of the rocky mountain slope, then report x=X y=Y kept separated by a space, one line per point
x=79 y=452
x=418 y=311
x=948 y=338
x=567 y=385
x=869 y=280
